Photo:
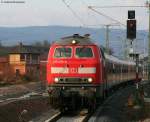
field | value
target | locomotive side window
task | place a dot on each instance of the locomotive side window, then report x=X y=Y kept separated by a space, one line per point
x=62 y=52
x=84 y=52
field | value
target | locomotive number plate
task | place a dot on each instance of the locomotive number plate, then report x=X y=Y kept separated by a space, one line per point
x=73 y=70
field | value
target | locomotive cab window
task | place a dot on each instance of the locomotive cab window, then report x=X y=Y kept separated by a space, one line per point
x=84 y=52
x=62 y=52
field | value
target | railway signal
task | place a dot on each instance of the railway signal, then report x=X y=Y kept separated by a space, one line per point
x=131 y=14
x=131 y=29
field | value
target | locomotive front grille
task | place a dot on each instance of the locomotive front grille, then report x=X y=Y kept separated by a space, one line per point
x=73 y=80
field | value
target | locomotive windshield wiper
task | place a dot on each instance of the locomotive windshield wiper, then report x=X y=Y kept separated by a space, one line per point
x=65 y=54
x=64 y=51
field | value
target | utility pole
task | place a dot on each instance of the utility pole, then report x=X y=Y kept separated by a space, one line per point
x=125 y=48
x=0 y=43
x=107 y=38
x=148 y=4
x=149 y=45
x=107 y=26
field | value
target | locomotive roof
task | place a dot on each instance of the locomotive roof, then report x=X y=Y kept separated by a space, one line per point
x=81 y=40
x=117 y=60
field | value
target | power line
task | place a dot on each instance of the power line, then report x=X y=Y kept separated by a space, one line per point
x=108 y=17
x=107 y=26
x=73 y=12
x=117 y=6
x=113 y=7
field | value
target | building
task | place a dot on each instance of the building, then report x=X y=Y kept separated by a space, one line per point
x=24 y=60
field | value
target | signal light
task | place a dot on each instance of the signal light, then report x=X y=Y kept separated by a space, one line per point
x=131 y=14
x=131 y=29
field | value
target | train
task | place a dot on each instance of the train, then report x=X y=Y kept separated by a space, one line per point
x=80 y=73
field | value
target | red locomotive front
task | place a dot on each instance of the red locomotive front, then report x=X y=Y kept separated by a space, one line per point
x=74 y=66
x=74 y=62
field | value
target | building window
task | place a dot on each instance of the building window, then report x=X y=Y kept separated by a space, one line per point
x=22 y=57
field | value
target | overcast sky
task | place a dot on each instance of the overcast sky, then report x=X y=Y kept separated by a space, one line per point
x=54 y=12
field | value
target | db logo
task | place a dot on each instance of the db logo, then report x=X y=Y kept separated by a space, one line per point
x=73 y=70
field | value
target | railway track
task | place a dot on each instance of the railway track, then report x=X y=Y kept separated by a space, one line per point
x=88 y=117
x=24 y=107
x=80 y=116
x=24 y=96
x=109 y=109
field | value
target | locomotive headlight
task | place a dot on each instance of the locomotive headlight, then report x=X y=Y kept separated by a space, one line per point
x=90 y=80
x=56 y=80
x=74 y=42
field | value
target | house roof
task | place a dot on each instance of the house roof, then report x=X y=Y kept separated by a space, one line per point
x=4 y=51
x=26 y=49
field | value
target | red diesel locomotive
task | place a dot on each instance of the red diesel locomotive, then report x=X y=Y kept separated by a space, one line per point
x=79 y=73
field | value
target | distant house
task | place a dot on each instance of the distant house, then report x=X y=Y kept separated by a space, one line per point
x=24 y=60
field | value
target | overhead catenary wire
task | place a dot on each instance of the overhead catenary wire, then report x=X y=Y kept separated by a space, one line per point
x=136 y=6
x=96 y=25
x=124 y=7
x=73 y=12
x=89 y=7
x=98 y=12
x=78 y=17
x=106 y=16
x=117 y=6
x=108 y=25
